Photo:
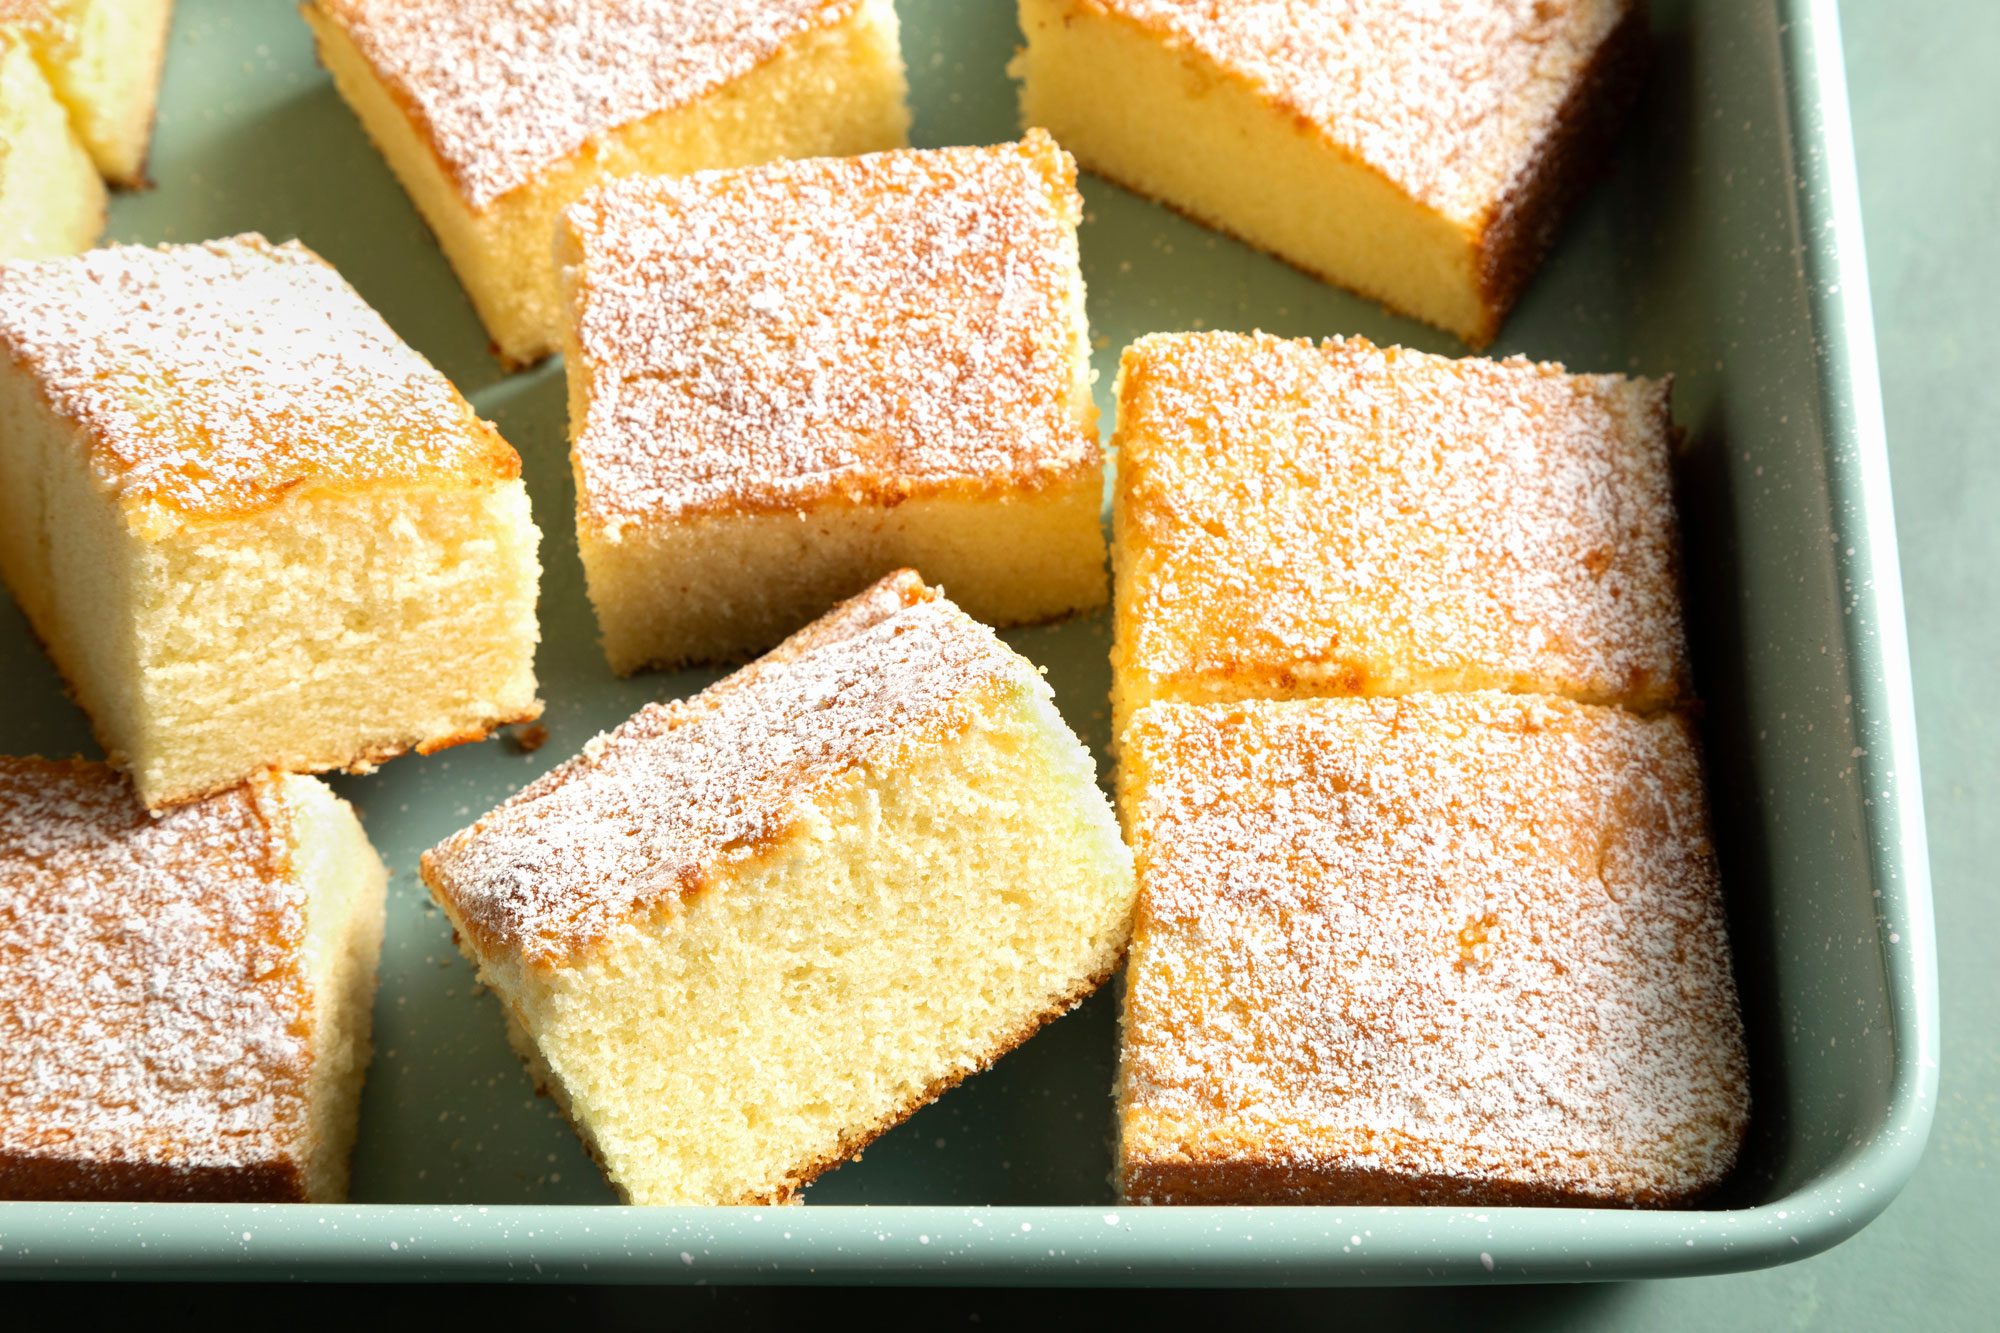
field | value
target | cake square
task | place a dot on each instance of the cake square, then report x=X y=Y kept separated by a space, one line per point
x=788 y=380
x=1293 y=519
x=497 y=114
x=1420 y=155
x=253 y=528
x=185 y=999
x=1442 y=949
x=743 y=934
x=51 y=198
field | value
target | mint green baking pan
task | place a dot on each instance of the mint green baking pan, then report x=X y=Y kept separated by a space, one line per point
x=1723 y=247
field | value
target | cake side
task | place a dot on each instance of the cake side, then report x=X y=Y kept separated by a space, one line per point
x=900 y=893
x=1456 y=949
x=326 y=634
x=51 y=198
x=346 y=894
x=154 y=1014
x=835 y=86
x=1475 y=525
x=719 y=588
x=104 y=58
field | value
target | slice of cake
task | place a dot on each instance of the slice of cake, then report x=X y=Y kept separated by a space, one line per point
x=743 y=934
x=1419 y=154
x=1293 y=519
x=185 y=999
x=789 y=380
x=1463 y=949
x=253 y=528
x=51 y=199
x=496 y=114
x=104 y=59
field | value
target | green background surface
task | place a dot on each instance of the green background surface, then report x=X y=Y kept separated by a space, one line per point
x=1922 y=80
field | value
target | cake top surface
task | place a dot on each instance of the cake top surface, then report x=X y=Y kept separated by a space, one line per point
x=682 y=792
x=1473 y=936
x=1448 y=99
x=508 y=88
x=1474 y=522
x=863 y=328
x=153 y=1006
x=216 y=380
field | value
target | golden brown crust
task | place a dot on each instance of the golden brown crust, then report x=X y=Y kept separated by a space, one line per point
x=1463 y=524
x=833 y=333
x=1461 y=948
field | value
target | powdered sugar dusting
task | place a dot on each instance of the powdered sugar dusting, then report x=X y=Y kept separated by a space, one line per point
x=1449 y=99
x=657 y=807
x=510 y=87
x=218 y=378
x=1349 y=519
x=1470 y=941
x=152 y=1009
x=869 y=327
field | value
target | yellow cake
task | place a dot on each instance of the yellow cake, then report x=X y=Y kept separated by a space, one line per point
x=788 y=380
x=742 y=934
x=103 y=58
x=1419 y=154
x=252 y=527
x=185 y=999
x=1442 y=949
x=51 y=198
x=1298 y=519
x=496 y=114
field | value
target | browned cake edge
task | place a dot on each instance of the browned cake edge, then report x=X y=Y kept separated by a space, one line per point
x=1193 y=1179
x=1521 y=229
x=364 y=760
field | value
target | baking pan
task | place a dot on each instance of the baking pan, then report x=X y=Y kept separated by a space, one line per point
x=1723 y=246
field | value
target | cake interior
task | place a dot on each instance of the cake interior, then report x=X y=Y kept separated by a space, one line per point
x=912 y=927
x=51 y=199
x=1191 y=134
x=836 y=91
x=326 y=631
x=108 y=74
x=345 y=887
x=719 y=588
